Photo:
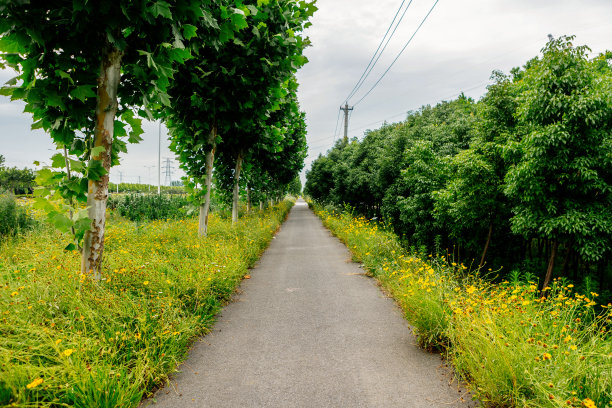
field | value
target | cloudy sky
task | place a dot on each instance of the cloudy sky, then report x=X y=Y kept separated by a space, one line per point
x=455 y=51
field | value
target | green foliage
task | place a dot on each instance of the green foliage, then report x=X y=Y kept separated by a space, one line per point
x=88 y=71
x=18 y=181
x=14 y=218
x=144 y=188
x=244 y=93
x=517 y=179
x=119 y=339
x=561 y=185
x=140 y=207
x=511 y=345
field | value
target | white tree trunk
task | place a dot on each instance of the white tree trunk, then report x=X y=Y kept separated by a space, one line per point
x=236 y=188
x=205 y=208
x=248 y=197
x=106 y=109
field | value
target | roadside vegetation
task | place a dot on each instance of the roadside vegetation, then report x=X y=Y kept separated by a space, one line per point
x=521 y=179
x=66 y=340
x=514 y=345
x=14 y=218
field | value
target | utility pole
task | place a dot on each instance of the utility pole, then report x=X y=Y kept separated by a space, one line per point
x=149 y=176
x=346 y=110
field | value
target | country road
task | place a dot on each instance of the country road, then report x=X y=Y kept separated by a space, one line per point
x=310 y=330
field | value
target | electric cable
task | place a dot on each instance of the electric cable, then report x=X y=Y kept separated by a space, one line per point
x=337 y=120
x=398 y=55
x=370 y=66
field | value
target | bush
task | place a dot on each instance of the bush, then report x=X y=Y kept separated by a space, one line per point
x=138 y=207
x=13 y=218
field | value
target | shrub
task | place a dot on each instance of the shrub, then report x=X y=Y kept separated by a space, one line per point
x=137 y=207
x=13 y=218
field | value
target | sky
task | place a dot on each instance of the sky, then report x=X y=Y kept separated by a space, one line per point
x=455 y=50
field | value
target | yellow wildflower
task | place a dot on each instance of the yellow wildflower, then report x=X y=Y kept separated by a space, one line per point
x=68 y=352
x=35 y=383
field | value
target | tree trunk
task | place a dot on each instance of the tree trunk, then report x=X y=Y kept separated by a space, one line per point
x=551 y=264
x=236 y=188
x=210 y=158
x=248 y=197
x=97 y=194
x=568 y=252
x=260 y=205
x=484 y=251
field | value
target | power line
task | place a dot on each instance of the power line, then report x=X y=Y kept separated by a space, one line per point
x=399 y=54
x=337 y=121
x=370 y=66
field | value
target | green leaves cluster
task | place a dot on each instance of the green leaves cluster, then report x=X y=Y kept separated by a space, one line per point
x=243 y=89
x=506 y=179
x=195 y=63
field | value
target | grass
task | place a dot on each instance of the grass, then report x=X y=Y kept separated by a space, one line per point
x=513 y=346
x=66 y=341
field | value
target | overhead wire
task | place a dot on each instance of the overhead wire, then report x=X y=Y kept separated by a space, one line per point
x=372 y=63
x=337 y=120
x=398 y=55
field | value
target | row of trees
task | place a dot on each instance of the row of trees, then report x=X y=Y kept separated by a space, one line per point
x=15 y=180
x=220 y=73
x=520 y=178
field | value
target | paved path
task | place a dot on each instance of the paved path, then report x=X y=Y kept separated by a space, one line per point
x=309 y=330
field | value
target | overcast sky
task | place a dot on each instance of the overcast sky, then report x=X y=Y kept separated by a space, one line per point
x=455 y=51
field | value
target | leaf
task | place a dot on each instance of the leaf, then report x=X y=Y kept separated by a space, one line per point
x=97 y=150
x=76 y=165
x=58 y=161
x=189 y=31
x=119 y=129
x=63 y=75
x=253 y=10
x=9 y=45
x=54 y=99
x=239 y=20
x=70 y=247
x=165 y=99
x=61 y=222
x=83 y=92
x=161 y=8
x=227 y=32
x=12 y=81
x=95 y=170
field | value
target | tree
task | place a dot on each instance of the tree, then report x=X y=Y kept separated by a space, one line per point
x=232 y=89
x=472 y=205
x=561 y=186
x=87 y=68
x=18 y=181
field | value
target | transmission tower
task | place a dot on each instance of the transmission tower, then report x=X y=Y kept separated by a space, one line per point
x=168 y=170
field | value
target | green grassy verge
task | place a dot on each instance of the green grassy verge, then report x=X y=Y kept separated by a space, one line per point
x=512 y=346
x=65 y=341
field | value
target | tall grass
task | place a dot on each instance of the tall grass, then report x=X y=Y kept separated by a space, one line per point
x=66 y=341
x=513 y=346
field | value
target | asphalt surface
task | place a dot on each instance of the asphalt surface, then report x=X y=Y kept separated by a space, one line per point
x=310 y=330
